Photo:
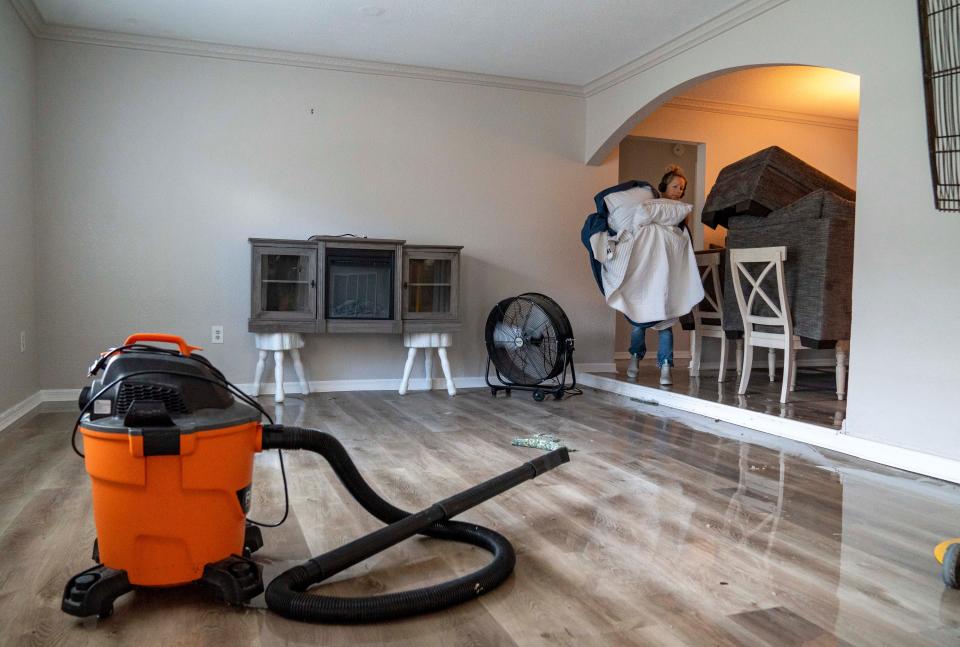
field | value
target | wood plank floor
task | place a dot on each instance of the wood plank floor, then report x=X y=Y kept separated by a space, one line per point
x=814 y=400
x=665 y=529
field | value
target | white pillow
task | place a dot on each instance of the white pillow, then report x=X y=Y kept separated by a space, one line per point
x=661 y=212
x=630 y=197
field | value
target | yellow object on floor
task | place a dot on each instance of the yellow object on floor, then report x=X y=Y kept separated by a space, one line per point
x=941 y=548
x=948 y=554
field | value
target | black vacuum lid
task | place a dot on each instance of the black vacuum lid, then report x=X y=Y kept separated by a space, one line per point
x=188 y=390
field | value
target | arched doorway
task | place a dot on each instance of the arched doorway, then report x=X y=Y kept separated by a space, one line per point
x=810 y=112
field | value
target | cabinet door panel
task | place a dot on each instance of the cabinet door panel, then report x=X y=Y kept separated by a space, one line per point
x=284 y=283
x=431 y=285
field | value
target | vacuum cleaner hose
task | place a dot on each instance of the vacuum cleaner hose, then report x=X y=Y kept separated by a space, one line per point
x=286 y=593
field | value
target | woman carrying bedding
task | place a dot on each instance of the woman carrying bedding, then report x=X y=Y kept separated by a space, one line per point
x=652 y=276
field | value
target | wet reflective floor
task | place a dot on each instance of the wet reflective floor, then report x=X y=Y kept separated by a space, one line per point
x=814 y=400
x=664 y=529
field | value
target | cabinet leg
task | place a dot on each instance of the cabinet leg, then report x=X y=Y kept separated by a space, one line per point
x=772 y=363
x=428 y=367
x=841 y=354
x=298 y=368
x=445 y=364
x=739 y=354
x=258 y=373
x=278 y=375
x=407 y=368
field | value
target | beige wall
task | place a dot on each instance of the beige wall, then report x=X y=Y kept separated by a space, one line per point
x=18 y=377
x=902 y=379
x=156 y=168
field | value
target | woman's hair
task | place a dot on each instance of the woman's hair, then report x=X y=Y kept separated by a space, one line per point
x=672 y=171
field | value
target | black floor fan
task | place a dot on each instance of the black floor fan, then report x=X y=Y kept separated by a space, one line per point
x=530 y=344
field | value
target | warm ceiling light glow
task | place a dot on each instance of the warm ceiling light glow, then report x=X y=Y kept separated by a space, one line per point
x=792 y=88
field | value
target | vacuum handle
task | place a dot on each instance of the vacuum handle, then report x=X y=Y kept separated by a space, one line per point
x=185 y=348
x=335 y=561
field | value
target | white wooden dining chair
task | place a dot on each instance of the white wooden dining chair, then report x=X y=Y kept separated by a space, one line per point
x=708 y=314
x=771 y=259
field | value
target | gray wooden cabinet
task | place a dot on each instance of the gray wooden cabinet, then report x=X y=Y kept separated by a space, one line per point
x=431 y=288
x=332 y=284
x=283 y=296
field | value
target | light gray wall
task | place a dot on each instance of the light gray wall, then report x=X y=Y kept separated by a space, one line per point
x=156 y=168
x=903 y=375
x=18 y=377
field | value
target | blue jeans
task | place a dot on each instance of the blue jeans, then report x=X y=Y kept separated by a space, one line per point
x=638 y=343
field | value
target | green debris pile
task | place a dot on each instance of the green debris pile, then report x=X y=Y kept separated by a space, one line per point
x=545 y=442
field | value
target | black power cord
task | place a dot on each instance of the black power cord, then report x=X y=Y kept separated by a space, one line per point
x=221 y=381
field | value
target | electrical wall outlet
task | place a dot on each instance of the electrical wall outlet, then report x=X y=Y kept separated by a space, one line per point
x=23 y=341
x=216 y=334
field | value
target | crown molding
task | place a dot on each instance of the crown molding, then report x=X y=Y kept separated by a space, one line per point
x=29 y=15
x=46 y=31
x=759 y=112
x=741 y=13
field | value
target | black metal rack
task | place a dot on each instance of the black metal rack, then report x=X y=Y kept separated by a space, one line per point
x=940 y=45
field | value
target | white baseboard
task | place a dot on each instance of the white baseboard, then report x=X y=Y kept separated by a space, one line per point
x=65 y=399
x=599 y=367
x=20 y=410
x=906 y=459
x=759 y=361
x=385 y=384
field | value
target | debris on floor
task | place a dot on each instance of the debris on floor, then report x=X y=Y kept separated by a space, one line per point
x=540 y=441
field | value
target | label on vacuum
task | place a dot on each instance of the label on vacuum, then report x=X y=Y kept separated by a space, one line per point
x=245 y=496
x=102 y=407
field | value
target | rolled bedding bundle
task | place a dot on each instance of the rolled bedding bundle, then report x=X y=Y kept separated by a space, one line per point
x=651 y=273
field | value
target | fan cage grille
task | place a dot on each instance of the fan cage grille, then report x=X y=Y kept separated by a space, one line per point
x=528 y=338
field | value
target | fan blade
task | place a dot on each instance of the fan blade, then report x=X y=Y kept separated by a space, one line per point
x=536 y=364
x=504 y=333
x=534 y=321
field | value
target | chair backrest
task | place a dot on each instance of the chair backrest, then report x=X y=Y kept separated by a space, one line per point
x=711 y=308
x=769 y=259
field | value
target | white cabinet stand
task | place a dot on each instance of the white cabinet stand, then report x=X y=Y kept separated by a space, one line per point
x=279 y=343
x=427 y=341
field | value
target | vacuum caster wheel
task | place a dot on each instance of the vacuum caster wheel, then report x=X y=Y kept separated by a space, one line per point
x=493 y=391
x=234 y=579
x=558 y=394
x=539 y=395
x=92 y=592
x=509 y=393
x=951 y=566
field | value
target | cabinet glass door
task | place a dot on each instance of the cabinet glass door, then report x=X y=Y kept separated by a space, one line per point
x=430 y=284
x=287 y=283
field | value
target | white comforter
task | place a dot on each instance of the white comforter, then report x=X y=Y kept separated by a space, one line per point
x=649 y=272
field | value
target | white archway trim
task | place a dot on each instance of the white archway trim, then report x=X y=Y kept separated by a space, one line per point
x=760 y=112
x=741 y=13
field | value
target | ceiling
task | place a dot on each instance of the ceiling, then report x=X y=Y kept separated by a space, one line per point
x=568 y=42
x=561 y=41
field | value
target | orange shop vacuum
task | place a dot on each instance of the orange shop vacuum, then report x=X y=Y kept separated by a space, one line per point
x=169 y=444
